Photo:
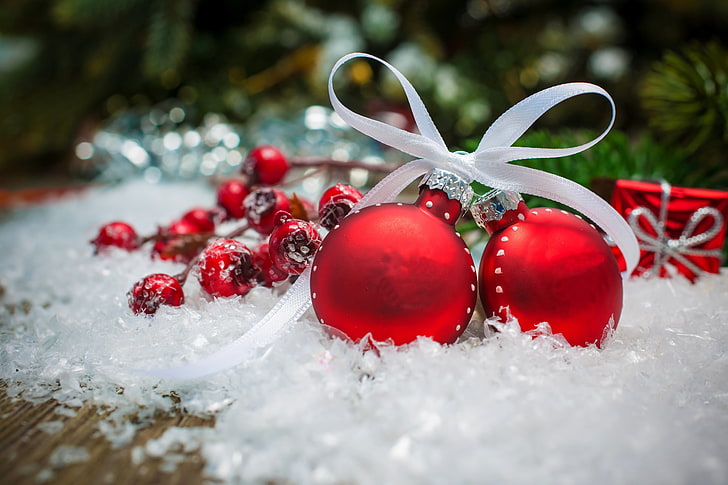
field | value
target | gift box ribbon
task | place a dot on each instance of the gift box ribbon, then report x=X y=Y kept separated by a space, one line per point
x=680 y=248
x=488 y=164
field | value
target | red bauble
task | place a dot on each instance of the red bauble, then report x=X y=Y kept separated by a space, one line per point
x=548 y=265
x=396 y=271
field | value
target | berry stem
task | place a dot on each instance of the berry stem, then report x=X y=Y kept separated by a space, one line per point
x=347 y=164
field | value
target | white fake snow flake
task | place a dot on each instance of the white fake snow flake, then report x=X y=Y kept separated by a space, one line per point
x=650 y=408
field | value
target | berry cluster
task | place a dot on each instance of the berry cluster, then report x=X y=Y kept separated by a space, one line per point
x=225 y=266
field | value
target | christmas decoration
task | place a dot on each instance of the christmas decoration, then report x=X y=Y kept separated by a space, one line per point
x=292 y=245
x=170 y=246
x=547 y=265
x=262 y=206
x=116 y=234
x=378 y=253
x=680 y=230
x=266 y=165
x=226 y=268
x=399 y=271
x=336 y=203
x=230 y=196
x=269 y=272
x=152 y=291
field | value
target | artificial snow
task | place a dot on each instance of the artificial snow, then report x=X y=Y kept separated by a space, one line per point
x=652 y=407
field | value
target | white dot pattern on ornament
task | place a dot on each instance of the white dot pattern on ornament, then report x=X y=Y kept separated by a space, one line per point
x=429 y=204
x=447 y=216
x=499 y=289
x=504 y=239
x=521 y=217
x=500 y=252
x=498 y=270
x=514 y=228
x=472 y=287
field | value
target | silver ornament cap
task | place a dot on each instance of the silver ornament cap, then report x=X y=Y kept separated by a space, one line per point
x=453 y=186
x=490 y=209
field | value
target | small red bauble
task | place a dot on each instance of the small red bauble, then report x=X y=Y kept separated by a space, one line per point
x=292 y=245
x=116 y=234
x=396 y=271
x=226 y=268
x=230 y=196
x=266 y=165
x=262 y=206
x=153 y=291
x=548 y=265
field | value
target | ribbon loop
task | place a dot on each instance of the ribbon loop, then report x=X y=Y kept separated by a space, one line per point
x=489 y=165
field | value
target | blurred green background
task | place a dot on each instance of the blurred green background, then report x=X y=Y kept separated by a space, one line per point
x=68 y=66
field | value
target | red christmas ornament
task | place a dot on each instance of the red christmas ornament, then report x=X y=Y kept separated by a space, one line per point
x=399 y=271
x=548 y=265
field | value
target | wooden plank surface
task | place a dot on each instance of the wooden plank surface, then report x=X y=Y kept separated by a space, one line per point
x=29 y=451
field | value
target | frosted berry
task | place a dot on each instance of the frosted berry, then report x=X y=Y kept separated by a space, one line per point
x=203 y=219
x=153 y=291
x=266 y=165
x=292 y=245
x=268 y=273
x=336 y=203
x=226 y=268
x=230 y=196
x=170 y=248
x=116 y=234
x=261 y=207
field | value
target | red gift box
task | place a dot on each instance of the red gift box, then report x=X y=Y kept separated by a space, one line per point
x=679 y=230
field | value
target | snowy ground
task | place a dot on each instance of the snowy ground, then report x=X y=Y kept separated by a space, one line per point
x=650 y=408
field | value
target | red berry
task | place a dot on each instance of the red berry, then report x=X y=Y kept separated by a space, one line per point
x=154 y=290
x=261 y=207
x=336 y=203
x=292 y=245
x=226 y=268
x=174 y=249
x=268 y=273
x=230 y=196
x=203 y=219
x=266 y=165
x=116 y=234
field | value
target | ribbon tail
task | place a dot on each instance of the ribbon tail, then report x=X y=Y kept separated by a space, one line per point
x=543 y=184
x=278 y=320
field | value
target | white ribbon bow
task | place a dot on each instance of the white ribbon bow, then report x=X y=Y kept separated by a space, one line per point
x=488 y=164
x=677 y=249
